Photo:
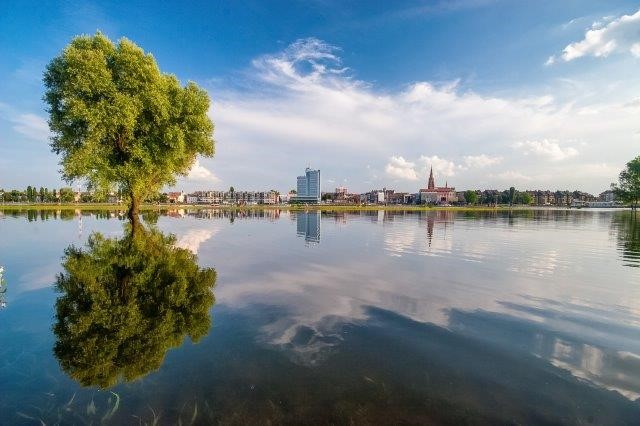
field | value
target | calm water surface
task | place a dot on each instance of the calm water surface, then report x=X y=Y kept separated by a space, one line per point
x=368 y=318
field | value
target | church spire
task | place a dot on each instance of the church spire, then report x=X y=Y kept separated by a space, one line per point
x=431 y=184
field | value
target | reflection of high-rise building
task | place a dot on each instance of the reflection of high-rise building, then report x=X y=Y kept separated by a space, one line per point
x=308 y=226
x=308 y=187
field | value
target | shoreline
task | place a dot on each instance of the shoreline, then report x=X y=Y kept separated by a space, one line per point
x=322 y=207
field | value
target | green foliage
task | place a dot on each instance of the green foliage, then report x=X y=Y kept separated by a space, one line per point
x=125 y=302
x=66 y=195
x=471 y=197
x=628 y=188
x=117 y=120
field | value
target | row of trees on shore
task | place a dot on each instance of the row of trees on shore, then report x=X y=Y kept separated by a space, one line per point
x=35 y=195
x=510 y=196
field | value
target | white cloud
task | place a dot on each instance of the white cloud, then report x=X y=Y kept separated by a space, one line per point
x=514 y=177
x=547 y=148
x=400 y=168
x=441 y=166
x=481 y=160
x=200 y=173
x=31 y=125
x=618 y=35
x=302 y=106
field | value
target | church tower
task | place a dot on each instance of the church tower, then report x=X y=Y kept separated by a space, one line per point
x=432 y=183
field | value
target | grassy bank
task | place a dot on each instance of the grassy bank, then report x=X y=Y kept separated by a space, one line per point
x=323 y=207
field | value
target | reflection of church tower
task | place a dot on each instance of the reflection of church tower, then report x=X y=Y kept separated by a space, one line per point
x=432 y=183
x=430 y=222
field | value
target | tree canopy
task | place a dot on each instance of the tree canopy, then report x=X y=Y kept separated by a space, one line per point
x=125 y=302
x=628 y=188
x=470 y=197
x=118 y=121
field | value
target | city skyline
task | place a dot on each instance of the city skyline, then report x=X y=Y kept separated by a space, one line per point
x=531 y=104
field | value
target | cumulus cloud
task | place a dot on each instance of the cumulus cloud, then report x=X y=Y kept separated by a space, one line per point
x=618 y=35
x=441 y=166
x=200 y=173
x=302 y=105
x=513 y=176
x=481 y=160
x=546 y=148
x=400 y=168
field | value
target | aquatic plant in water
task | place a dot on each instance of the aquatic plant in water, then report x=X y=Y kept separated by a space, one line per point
x=3 y=289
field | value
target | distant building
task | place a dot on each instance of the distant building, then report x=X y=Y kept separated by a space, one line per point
x=607 y=196
x=233 y=197
x=308 y=187
x=433 y=194
x=176 y=197
x=341 y=191
x=398 y=198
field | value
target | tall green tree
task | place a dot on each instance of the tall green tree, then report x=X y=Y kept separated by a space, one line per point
x=628 y=188
x=118 y=121
x=470 y=197
x=66 y=195
x=512 y=195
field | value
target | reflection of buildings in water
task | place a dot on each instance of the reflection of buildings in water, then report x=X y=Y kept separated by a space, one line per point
x=403 y=236
x=308 y=226
x=443 y=218
x=233 y=214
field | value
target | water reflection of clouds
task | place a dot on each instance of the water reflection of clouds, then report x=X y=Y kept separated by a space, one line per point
x=193 y=238
x=522 y=267
x=592 y=344
x=533 y=277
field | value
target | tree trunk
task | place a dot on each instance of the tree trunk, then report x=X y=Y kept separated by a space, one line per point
x=134 y=210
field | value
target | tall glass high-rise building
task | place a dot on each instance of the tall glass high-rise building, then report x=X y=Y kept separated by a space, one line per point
x=308 y=187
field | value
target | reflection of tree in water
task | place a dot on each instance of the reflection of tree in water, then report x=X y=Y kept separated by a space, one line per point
x=627 y=226
x=125 y=302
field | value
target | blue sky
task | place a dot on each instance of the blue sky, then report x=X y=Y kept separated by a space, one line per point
x=491 y=94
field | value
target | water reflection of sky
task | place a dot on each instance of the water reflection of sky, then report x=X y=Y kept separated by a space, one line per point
x=556 y=286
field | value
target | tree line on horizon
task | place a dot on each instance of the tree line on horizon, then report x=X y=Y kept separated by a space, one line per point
x=35 y=195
